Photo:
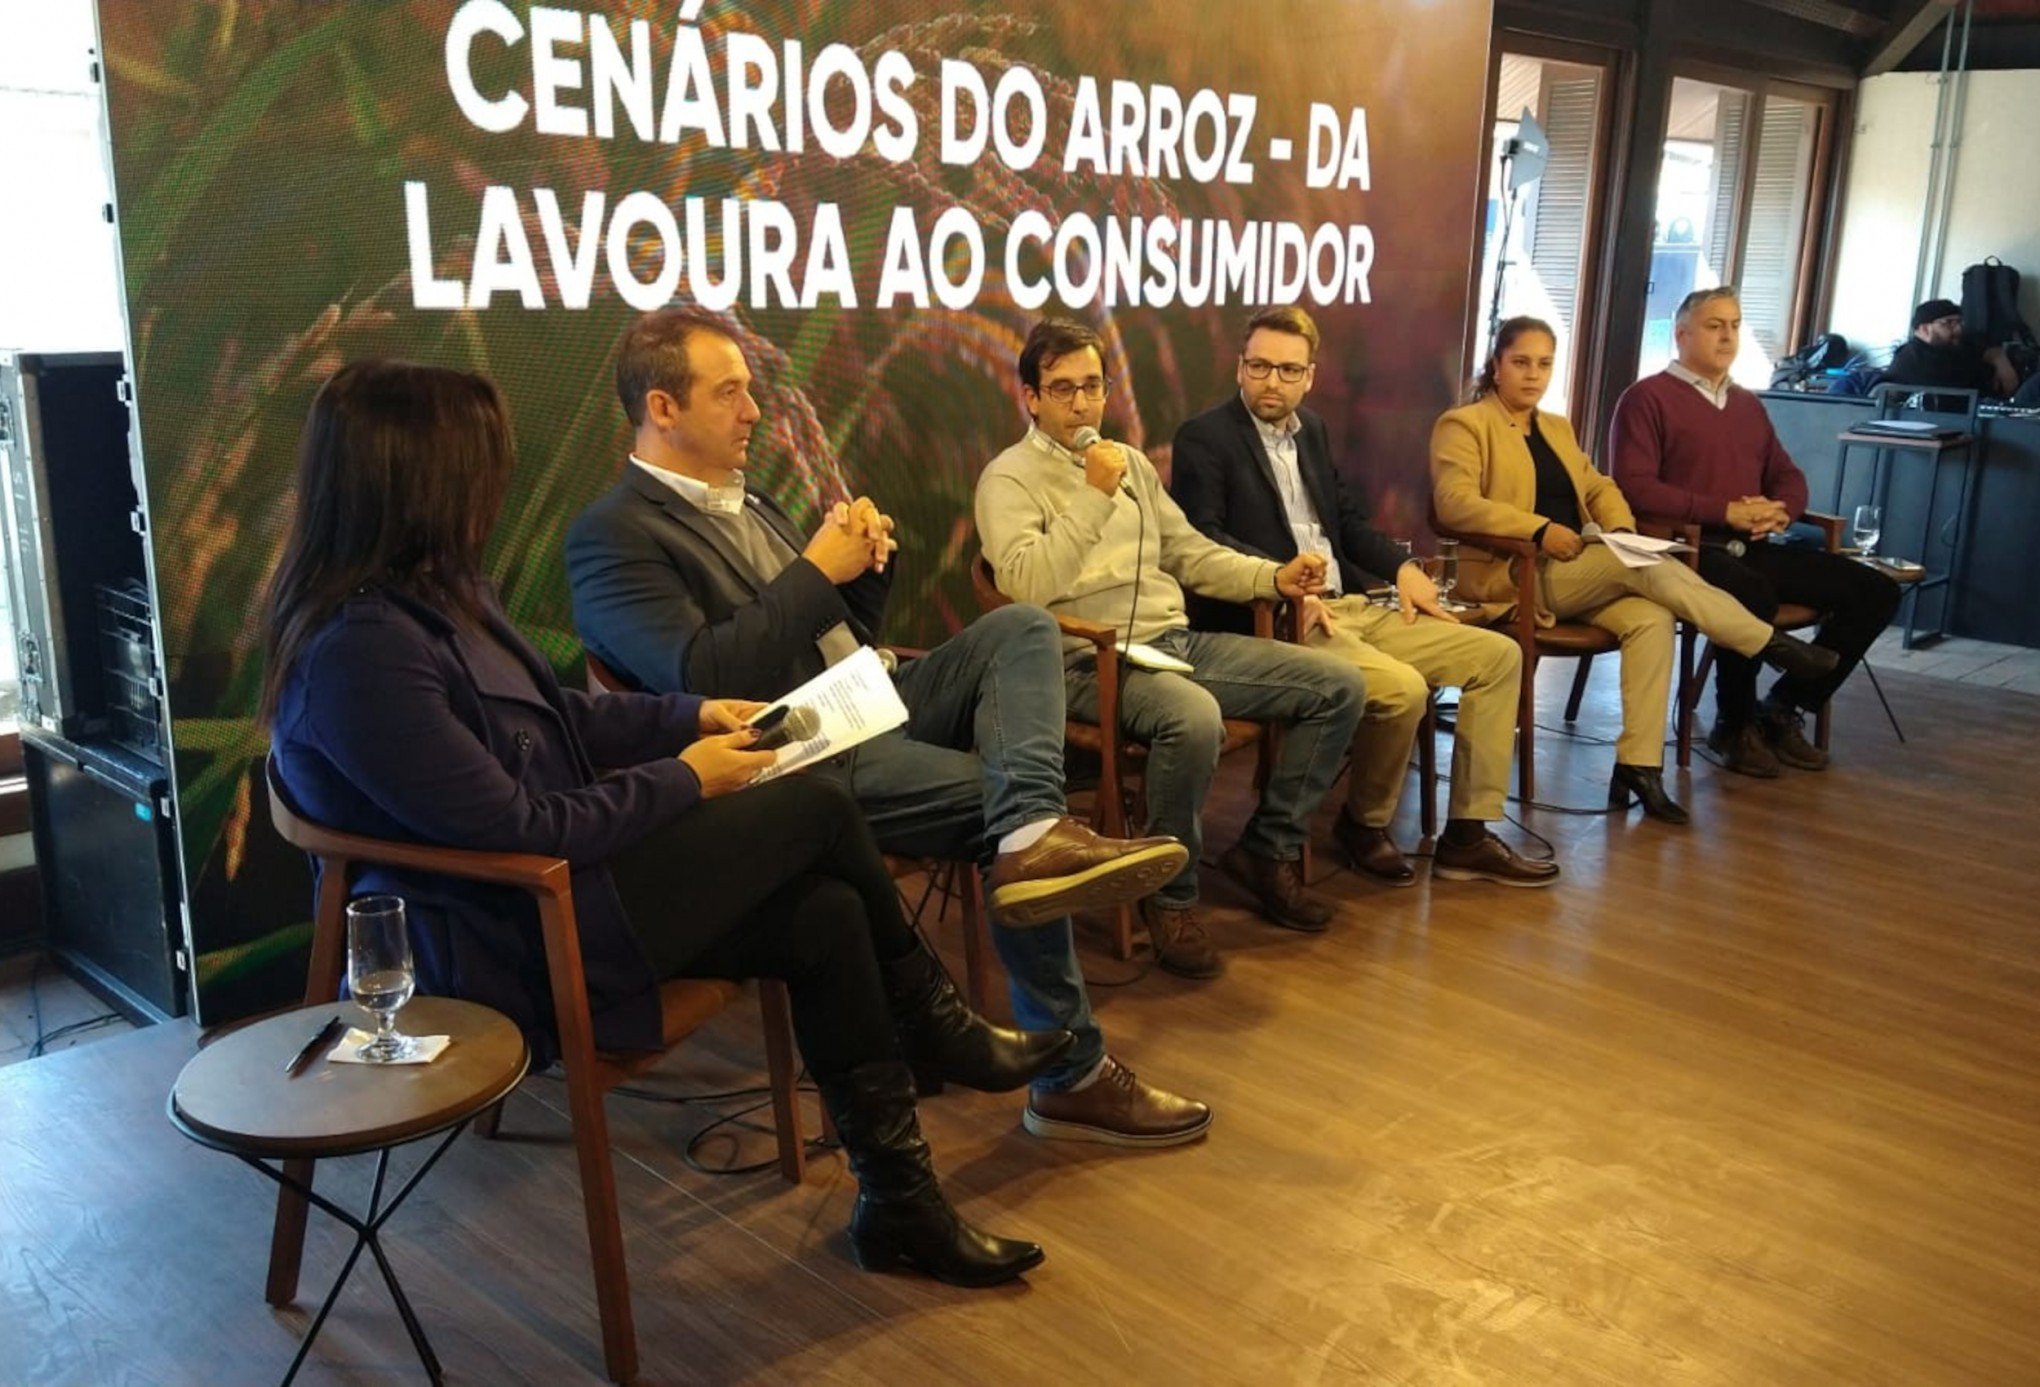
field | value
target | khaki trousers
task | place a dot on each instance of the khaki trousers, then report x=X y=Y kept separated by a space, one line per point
x=1637 y=606
x=1402 y=662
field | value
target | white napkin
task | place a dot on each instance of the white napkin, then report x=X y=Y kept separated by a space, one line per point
x=424 y=1048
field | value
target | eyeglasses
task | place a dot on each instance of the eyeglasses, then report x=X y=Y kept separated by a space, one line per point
x=1290 y=372
x=1063 y=391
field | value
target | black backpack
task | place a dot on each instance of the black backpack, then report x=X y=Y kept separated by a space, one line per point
x=1990 y=313
x=1829 y=350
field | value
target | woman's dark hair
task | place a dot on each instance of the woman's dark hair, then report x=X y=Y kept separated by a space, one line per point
x=1505 y=338
x=401 y=471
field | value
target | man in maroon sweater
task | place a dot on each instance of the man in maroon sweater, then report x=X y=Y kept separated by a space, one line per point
x=1688 y=445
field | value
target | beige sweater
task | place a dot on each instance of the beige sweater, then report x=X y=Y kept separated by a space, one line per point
x=1056 y=541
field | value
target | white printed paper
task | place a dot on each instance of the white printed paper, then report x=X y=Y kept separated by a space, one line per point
x=1143 y=656
x=424 y=1048
x=1639 y=551
x=855 y=701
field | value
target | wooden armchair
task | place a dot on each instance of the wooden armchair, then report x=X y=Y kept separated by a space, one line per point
x=1574 y=639
x=1117 y=801
x=685 y=1006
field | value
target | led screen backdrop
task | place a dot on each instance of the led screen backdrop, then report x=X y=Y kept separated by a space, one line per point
x=881 y=196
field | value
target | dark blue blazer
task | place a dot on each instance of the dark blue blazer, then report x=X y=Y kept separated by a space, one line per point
x=668 y=603
x=1221 y=476
x=397 y=723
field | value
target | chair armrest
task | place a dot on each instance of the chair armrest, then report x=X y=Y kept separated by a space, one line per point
x=1686 y=532
x=1265 y=611
x=1829 y=525
x=1497 y=544
x=1096 y=632
x=1525 y=620
x=533 y=872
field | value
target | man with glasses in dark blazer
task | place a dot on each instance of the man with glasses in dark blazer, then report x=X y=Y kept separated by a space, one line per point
x=1256 y=473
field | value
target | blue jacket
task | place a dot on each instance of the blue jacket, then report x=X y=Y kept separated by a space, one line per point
x=396 y=723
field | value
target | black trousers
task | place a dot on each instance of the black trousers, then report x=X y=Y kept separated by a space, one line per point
x=783 y=881
x=1858 y=600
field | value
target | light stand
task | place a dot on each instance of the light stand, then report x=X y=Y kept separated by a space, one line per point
x=1523 y=160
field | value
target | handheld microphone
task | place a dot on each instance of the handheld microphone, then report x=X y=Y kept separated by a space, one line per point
x=784 y=725
x=1086 y=437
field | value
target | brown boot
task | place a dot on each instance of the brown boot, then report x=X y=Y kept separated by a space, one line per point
x=1372 y=850
x=1072 y=868
x=1279 y=888
x=1181 y=945
x=1117 y=1109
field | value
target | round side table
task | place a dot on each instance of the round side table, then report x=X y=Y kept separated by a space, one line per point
x=234 y=1096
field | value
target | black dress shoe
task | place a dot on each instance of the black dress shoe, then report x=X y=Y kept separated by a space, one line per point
x=1646 y=783
x=1372 y=851
x=1796 y=659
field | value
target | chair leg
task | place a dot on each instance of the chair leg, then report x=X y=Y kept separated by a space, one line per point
x=1688 y=694
x=1699 y=688
x=1526 y=730
x=979 y=981
x=1427 y=768
x=1579 y=688
x=782 y=1076
x=591 y=1130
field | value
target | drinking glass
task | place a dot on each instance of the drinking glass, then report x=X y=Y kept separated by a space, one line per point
x=1448 y=571
x=379 y=972
x=1868 y=525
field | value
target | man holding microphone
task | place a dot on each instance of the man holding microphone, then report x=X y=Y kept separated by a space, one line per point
x=1081 y=525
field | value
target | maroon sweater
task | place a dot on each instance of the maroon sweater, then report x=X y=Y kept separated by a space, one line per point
x=1676 y=457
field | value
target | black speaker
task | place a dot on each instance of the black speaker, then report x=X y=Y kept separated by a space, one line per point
x=106 y=848
x=73 y=527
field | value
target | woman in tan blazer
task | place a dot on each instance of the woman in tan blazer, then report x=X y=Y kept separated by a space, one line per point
x=1501 y=466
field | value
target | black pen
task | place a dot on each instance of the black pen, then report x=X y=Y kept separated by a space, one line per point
x=327 y=1034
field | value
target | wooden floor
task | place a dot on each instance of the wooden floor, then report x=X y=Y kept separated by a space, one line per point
x=1755 y=1102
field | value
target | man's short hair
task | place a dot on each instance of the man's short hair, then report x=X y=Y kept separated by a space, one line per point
x=1050 y=341
x=1690 y=305
x=1288 y=318
x=653 y=356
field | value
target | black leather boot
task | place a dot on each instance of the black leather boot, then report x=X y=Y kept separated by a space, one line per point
x=901 y=1218
x=1646 y=783
x=1799 y=660
x=943 y=1039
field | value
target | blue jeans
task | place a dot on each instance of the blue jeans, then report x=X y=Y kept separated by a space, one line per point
x=1181 y=717
x=995 y=687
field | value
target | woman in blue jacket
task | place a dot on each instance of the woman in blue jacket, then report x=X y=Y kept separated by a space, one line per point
x=403 y=704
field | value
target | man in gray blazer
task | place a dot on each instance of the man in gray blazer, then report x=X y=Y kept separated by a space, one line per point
x=683 y=579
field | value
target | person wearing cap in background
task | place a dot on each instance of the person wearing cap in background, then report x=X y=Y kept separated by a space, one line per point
x=1937 y=354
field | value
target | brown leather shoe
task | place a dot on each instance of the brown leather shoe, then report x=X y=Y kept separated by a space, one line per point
x=1181 y=945
x=1117 y=1109
x=1787 y=739
x=1490 y=859
x=1071 y=868
x=1372 y=851
x=1744 y=750
x=1279 y=888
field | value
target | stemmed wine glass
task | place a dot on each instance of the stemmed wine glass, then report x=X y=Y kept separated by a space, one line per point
x=1448 y=571
x=1867 y=526
x=379 y=973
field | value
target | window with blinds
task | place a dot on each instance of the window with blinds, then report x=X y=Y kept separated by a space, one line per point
x=1777 y=223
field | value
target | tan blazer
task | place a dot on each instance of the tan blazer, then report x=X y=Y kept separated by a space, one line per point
x=1483 y=480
